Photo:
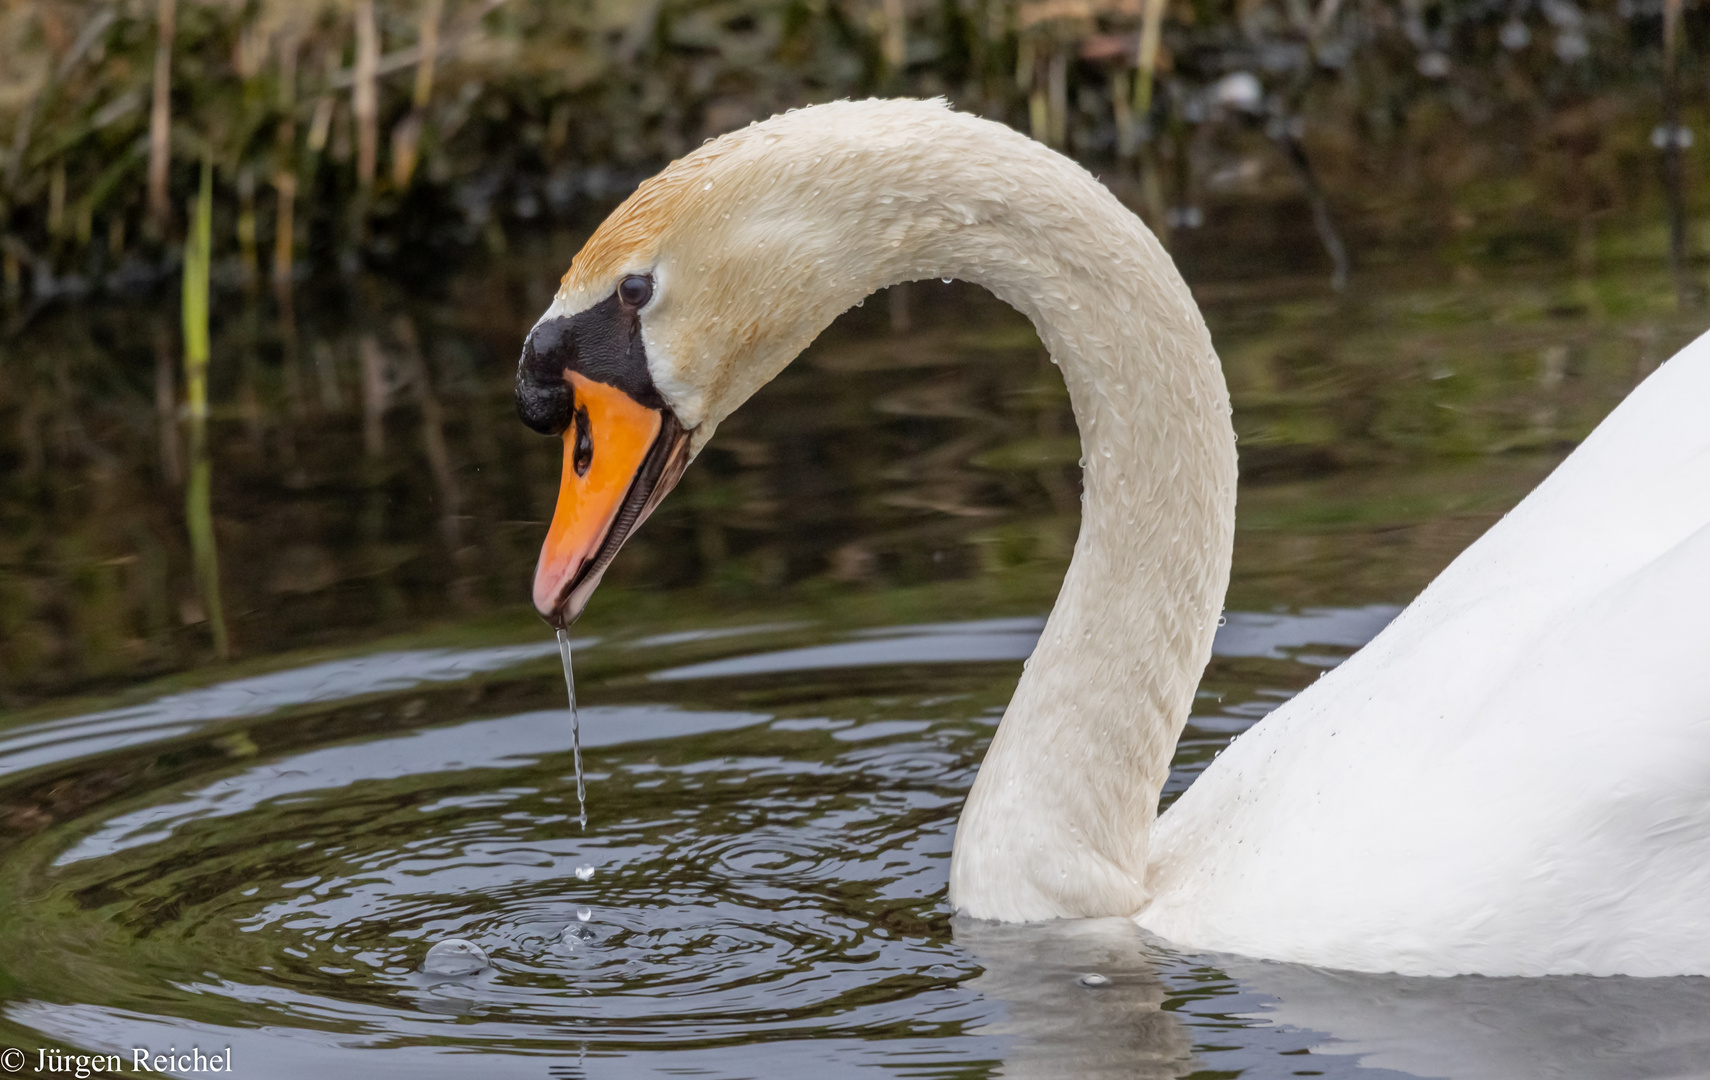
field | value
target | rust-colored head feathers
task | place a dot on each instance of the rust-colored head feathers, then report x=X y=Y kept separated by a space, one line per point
x=759 y=239
x=629 y=239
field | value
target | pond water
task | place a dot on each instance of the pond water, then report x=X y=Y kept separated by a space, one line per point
x=787 y=684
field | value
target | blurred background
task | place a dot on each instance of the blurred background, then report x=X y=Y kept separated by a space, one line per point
x=276 y=713
x=268 y=265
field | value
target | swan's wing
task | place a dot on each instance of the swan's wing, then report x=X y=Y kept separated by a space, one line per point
x=1514 y=777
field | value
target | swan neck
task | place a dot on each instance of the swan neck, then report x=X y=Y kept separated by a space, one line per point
x=1059 y=817
x=759 y=240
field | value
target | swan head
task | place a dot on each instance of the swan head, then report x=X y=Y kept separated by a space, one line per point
x=694 y=293
x=584 y=378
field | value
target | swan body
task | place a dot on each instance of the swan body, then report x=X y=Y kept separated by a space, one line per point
x=1514 y=778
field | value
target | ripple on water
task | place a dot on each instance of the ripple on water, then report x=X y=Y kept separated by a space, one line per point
x=760 y=893
x=326 y=887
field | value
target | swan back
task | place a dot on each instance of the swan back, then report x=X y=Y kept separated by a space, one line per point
x=1514 y=777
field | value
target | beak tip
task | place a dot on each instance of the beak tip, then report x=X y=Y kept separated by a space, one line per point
x=550 y=603
x=560 y=604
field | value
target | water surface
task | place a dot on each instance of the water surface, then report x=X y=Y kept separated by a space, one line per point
x=762 y=879
x=786 y=685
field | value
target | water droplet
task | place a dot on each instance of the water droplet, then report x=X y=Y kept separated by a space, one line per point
x=585 y=873
x=1223 y=620
x=584 y=914
x=1093 y=980
x=454 y=956
x=946 y=280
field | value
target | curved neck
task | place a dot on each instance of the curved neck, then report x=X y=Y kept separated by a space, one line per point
x=1059 y=817
x=795 y=220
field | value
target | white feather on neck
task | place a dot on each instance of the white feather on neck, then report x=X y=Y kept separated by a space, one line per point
x=794 y=221
x=1508 y=780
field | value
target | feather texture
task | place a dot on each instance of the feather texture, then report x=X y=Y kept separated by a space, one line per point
x=1514 y=778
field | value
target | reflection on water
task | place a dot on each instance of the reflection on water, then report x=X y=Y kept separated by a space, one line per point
x=368 y=476
x=760 y=892
x=1494 y=1029
x=787 y=685
x=198 y=493
x=1078 y=998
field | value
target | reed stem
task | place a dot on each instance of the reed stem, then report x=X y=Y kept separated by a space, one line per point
x=198 y=496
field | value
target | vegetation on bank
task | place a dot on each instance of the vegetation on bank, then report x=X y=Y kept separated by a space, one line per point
x=351 y=132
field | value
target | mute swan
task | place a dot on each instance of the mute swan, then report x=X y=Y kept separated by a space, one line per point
x=1513 y=778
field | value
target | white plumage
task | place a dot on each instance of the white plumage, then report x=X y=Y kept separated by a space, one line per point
x=1514 y=778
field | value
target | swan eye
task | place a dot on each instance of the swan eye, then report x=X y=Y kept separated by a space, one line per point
x=635 y=290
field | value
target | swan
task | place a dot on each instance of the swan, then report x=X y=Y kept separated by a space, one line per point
x=1512 y=779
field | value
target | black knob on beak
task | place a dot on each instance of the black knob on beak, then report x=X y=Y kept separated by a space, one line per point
x=544 y=401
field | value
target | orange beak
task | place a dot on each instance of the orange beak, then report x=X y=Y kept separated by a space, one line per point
x=620 y=459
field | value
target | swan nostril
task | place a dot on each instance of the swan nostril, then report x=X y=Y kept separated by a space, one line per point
x=584 y=455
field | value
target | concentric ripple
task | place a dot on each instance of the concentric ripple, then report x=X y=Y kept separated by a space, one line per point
x=760 y=890
x=723 y=892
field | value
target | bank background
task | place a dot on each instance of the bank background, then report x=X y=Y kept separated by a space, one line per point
x=267 y=268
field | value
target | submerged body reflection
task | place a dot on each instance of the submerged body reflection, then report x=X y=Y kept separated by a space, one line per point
x=1060 y=1025
x=1152 y=1017
x=1475 y=1028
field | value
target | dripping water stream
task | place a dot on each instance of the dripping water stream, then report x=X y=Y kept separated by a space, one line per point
x=575 y=727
